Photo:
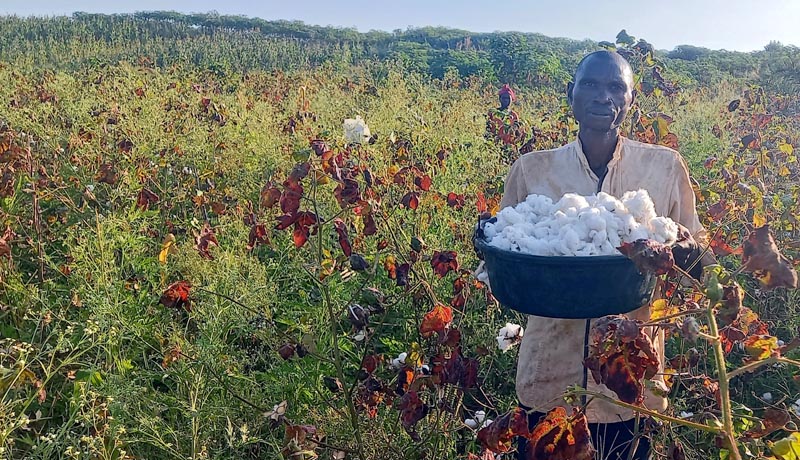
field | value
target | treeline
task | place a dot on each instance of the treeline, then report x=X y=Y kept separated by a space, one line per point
x=225 y=43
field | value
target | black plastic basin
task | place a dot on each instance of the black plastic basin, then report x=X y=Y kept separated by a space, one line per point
x=565 y=287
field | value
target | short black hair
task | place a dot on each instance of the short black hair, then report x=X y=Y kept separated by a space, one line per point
x=601 y=54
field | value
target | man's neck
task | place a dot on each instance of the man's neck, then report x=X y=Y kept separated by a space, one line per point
x=598 y=147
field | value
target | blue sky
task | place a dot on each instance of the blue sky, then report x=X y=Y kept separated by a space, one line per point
x=742 y=25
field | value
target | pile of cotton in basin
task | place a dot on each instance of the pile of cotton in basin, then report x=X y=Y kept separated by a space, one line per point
x=579 y=225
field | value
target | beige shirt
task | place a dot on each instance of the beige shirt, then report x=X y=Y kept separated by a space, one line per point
x=552 y=350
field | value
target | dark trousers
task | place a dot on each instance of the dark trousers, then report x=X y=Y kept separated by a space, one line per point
x=611 y=440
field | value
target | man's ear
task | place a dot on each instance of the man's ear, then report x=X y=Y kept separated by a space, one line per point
x=570 y=86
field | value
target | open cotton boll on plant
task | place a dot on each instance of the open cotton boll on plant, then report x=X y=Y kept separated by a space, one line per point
x=356 y=130
x=579 y=225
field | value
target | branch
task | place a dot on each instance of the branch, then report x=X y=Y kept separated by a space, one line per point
x=645 y=411
x=756 y=364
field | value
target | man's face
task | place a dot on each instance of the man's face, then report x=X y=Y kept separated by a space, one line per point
x=601 y=94
x=505 y=100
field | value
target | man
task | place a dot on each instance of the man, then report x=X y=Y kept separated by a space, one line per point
x=552 y=351
x=504 y=126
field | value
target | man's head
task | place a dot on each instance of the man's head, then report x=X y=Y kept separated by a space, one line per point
x=506 y=95
x=601 y=92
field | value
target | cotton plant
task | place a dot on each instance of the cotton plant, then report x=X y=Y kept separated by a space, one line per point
x=509 y=336
x=579 y=225
x=356 y=130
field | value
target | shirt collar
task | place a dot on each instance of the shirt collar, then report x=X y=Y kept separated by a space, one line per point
x=585 y=162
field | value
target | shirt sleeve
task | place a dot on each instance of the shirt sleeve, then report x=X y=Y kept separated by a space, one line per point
x=684 y=210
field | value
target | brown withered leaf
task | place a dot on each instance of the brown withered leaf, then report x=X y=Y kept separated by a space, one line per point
x=443 y=262
x=760 y=256
x=772 y=421
x=5 y=242
x=107 y=174
x=206 y=240
x=621 y=356
x=146 y=198
x=560 y=437
x=270 y=195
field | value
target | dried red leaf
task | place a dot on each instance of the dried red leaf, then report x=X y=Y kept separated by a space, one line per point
x=370 y=228
x=455 y=200
x=319 y=147
x=412 y=410
x=558 y=437
x=341 y=232
x=299 y=172
x=177 y=296
x=498 y=435
x=258 y=235
x=286 y=351
x=443 y=262
x=402 y=274
x=290 y=198
x=761 y=256
x=347 y=193
x=5 y=242
x=436 y=320
x=621 y=356
x=300 y=235
x=423 y=182
x=370 y=363
x=410 y=200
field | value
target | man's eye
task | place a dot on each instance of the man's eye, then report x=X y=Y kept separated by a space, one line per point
x=588 y=83
x=617 y=87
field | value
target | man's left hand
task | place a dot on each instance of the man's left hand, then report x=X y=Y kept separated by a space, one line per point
x=687 y=253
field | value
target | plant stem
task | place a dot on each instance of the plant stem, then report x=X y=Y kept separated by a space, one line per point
x=337 y=353
x=724 y=389
x=750 y=367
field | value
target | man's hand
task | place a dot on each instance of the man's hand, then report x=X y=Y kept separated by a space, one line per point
x=477 y=234
x=687 y=252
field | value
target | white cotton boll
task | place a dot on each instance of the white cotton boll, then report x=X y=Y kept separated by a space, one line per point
x=570 y=238
x=540 y=204
x=767 y=397
x=598 y=237
x=501 y=243
x=541 y=231
x=614 y=240
x=638 y=233
x=400 y=361
x=639 y=205
x=571 y=212
x=511 y=216
x=609 y=202
x=489 y=231
x=664 y=229
x=608 y=249
x=511 y=334
x=572 y=200
x=559 y=216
